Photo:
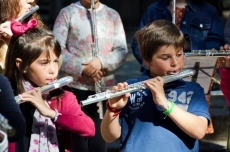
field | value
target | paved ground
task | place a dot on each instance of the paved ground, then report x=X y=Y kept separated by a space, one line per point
x=215 y=142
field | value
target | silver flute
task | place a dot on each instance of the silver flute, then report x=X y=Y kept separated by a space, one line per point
x=95 y=52
x=131 y=88
x=205 y=53
x=28 y=13
x=174 y=12
x=52 y=86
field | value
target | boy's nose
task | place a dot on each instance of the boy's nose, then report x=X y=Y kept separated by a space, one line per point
x=174 y=62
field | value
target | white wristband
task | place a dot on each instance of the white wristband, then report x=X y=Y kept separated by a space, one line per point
x=56 y=115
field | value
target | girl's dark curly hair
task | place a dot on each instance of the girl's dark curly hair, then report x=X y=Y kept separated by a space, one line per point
x=10 y=10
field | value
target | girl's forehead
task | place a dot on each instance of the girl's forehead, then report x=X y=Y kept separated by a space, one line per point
x=48 y=54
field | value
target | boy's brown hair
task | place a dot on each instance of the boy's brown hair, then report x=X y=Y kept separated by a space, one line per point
x=157 y=34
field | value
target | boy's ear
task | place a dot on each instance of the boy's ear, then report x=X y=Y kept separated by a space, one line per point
x=18 y=62
x=147 y=63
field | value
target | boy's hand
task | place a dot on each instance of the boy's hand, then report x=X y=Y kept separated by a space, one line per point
x=156 y=86
x=121 y=101
x=225 y=47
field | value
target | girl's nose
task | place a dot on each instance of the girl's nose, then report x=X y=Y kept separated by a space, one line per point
x=52 y=68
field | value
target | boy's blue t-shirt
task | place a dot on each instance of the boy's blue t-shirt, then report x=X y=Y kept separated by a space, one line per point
x=144 y=126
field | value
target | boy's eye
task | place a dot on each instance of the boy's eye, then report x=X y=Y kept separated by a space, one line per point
x=179 y=54
x=165 y=57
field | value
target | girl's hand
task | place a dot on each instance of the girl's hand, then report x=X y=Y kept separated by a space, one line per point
x=35 y=98
x=121 y=101
x=5 y=31
x=156 y=86
x=98 y=76
x=91 y=67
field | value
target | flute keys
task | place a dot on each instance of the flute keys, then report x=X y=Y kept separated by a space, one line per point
x=107 y=96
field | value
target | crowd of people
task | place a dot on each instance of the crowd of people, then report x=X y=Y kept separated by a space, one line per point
x=161 y=117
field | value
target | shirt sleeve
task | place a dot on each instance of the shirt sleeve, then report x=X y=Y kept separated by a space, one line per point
x=72 y=118
x=11 y=111
x=198 y=104
x=117 y=56
x=60 y=31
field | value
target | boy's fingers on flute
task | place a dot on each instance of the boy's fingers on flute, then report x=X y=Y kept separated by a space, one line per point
x=226 y=47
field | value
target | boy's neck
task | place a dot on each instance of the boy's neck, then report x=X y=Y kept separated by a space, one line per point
x=88 y=5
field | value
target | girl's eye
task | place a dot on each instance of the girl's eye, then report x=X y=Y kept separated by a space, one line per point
x=44 y=63
x=56 y=61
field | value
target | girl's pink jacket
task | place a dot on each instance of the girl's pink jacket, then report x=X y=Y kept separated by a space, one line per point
x=72 y=120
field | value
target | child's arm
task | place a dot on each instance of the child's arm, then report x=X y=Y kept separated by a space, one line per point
x=72 y=118
x=193 y=125
x=110 y=127
x=10 y=110
x=118 y=52
x=183 y=119
x=61 y=33
x=5 y=31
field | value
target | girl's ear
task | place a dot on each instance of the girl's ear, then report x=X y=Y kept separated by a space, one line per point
x=60 y=62
x=18 y=63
